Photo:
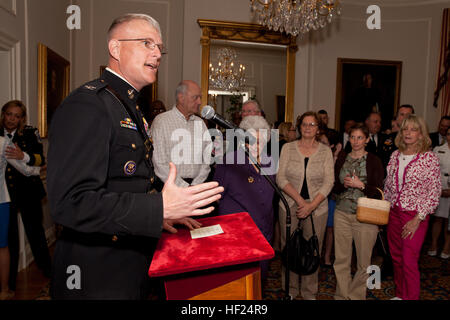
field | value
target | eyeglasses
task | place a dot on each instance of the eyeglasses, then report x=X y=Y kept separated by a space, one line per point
x=311 y=124
x=149 y=44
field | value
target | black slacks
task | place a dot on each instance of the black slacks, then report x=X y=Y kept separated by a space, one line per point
x=32 y=215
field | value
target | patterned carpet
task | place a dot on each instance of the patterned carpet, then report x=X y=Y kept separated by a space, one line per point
x=434 y=274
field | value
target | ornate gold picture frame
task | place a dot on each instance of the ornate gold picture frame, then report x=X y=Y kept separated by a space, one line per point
x=53 y=85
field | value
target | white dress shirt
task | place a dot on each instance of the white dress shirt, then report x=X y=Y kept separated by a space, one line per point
x=188 y=151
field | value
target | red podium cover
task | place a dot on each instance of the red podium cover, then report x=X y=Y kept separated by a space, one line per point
x=241 y=242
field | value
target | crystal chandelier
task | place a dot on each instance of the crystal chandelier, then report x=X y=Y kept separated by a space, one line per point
x=295 y=16
x=226 y=76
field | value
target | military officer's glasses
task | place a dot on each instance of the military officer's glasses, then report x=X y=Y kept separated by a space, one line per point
x=149 y=44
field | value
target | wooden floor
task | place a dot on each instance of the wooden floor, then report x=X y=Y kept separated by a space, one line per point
x=31 y=284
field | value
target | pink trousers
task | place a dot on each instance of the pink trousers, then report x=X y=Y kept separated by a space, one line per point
x=405 y=253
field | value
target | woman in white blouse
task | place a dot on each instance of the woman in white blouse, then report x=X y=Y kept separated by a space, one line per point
x=443 y=210
x=20 y=165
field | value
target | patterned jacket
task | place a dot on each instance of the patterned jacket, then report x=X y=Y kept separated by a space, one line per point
x=421 y=187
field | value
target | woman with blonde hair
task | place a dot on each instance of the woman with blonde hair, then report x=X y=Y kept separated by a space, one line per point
x=306 y=176
x=413 y=186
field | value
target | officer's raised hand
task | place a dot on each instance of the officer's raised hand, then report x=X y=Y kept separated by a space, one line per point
x=184 y=202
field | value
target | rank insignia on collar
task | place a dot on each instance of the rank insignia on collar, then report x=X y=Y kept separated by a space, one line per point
x=129 y=168
x=131 y=93
x=90 y=87
x=251 y=179
x=128 y=123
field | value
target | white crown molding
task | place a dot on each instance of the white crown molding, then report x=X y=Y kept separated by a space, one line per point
x=8 y=43
x=9 y=6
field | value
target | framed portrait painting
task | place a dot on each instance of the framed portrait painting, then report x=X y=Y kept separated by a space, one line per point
x=53 y=85
x=365 y=86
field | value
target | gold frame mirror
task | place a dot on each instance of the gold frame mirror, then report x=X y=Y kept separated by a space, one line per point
x=248 y=32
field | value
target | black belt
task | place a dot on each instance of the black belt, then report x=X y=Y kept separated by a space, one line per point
x=188 y=180
x=100 y=239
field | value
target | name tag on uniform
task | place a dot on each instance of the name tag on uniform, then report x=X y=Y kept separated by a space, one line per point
x=128 y=123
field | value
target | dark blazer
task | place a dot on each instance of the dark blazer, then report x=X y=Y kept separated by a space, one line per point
x=375 y=175
x=347 y=148
x=99 y=179
x=21 y=187
x=434 y=136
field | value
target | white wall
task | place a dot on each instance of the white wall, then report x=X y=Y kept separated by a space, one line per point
x=90 y=49
x=409 y=33
x=29 y=22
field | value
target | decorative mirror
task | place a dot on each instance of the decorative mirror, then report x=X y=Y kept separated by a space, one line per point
x=251 y=38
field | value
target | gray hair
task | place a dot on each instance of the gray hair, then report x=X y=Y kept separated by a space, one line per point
x=254 y=122
x=181 y=89
x=255 y=102
x=130 y=17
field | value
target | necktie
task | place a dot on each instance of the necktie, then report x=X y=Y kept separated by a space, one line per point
x=9 y=135
x=373 y=140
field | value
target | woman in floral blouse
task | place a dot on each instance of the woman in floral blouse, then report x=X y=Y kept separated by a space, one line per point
x=413 y=186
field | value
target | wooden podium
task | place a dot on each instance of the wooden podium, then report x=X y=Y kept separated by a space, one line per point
x=219 y=267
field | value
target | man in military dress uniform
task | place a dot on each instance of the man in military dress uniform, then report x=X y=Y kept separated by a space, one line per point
x=100 y=176
x=26 y=192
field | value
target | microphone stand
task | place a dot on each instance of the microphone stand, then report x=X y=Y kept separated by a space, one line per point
x=288 y=214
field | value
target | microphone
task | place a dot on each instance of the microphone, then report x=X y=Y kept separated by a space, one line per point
x=209 y=113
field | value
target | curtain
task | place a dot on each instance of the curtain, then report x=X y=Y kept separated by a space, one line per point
x=442 y=93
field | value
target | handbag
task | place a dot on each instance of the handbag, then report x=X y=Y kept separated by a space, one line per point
x=373 y=211
x=304 y=256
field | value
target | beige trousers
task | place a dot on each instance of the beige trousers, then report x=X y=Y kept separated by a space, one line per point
x=346 y=230
x=309 y=284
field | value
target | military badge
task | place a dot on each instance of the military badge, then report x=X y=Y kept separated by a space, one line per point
x=251 y=179
x=128 y=123
x=90 y=87
x=129 y=168
x=388 y=142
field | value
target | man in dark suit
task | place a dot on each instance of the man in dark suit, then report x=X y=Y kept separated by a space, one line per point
x=26 y=192
x=373 y=123
x=344 y=138
x=438 y=138
x=331 y=134
x=388 y=145
x=100 y=176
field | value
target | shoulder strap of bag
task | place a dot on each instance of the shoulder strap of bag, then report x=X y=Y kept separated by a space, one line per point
x=312 y=224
